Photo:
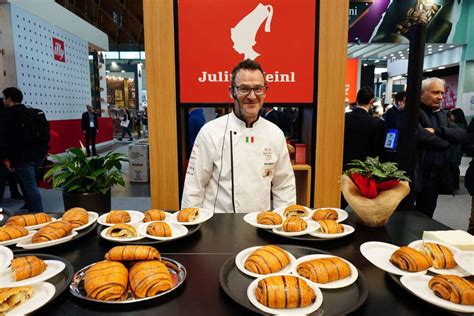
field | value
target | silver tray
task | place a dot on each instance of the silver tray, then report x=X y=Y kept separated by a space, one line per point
x=177 y=270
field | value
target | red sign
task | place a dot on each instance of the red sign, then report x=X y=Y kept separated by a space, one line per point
x=352 y=70
x=58 y=50
x=215 y=35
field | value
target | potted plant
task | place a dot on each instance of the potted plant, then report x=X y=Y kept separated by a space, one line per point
x=86 y=182
x=374 y=189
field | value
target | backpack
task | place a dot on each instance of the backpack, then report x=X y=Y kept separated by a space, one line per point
x=34 y=126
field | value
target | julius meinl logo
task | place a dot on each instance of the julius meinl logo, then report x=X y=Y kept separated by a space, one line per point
x=243 y=36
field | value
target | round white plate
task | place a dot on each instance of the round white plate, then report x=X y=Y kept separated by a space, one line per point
x=312 y=226
x=251 y=218
x=290 y=311
x=92 y=218
x=177 y=231
x=459 y=271
x=465 y=259
x=6 y=256
x=16 y=240
x=27 y=244
x=103 y=234
x=40 y=225
x=204 y=215
x=418 y=285
x=135 y=217
x=331 y=285
x=281 y=210
x=347 y=231
x=341 y=214
x=167 y=217
x=379 y=253
x=53 y=267
x=244 y=254
x=43 y=292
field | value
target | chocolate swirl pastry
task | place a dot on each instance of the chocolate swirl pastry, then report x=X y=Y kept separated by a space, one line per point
x=269 y=218
x=442 y=257
x=148 y=278
x=409 y=259
x=76 y=216
x=295 y=210
x=118 y=217
x=188 y=214
x=267 y=259
x=106 y=281
x=154 y=215
x=122 y=231
x=12 y=232
x=132 y=253
x=294 y=224
x=320 y=215
x=28 y=219
x=324 y=270
x=453 y=288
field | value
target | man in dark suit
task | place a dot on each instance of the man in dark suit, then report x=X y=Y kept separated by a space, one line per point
x=393 y=120
x=90 y=128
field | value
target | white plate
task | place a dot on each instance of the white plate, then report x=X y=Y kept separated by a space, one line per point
x=43 y=292
x=244 y=254
x=19 y=239
x=312 y=226
x=379 y=253
x=135 y=217
x=53 y=267
x=341 y=214
x=167 y=217
x=459 y=271
x=103 y=234
x=40 y=225
x=27 y=244
x=92 y=218
x=204 y=215
x=177 y=231
x=281 y=210
x=465 y=259
x=347 y=231
x=6 y=255
x=251 y=218
x=418 y=285
x=290 y=311
x=331 y=285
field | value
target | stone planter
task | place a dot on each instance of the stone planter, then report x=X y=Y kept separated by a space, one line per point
x=94 y=202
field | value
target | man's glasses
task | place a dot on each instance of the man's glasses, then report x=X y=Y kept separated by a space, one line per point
x=246 y=90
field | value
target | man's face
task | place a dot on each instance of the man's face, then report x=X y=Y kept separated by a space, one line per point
x=401 y=104
x=433 y=95
x=248 y=106
x=7 y=101
x=89 y=108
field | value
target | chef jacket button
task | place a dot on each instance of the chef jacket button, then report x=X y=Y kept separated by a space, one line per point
x=235 y=133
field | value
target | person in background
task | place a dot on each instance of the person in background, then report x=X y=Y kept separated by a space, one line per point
x=378 y=112
x=90 y=128
x=468 y=149
x=125 y=123
x=196 y=121
x=393 y=121
x=455 y=151
x=145 y=122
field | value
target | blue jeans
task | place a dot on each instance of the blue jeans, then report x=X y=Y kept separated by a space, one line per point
x=26 y=175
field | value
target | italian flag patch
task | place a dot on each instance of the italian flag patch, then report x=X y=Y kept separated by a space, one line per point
x=249 y=139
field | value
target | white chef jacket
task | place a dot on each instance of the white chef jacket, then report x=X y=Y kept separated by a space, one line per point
x=242 y=181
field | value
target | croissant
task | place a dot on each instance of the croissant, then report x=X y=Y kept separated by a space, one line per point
x=320 y=215
x=27 y=267
x=411 y=260
x=267 y=259
x=188 y=214
x=269 y=218
x=330 y=226
x=148 y=278
x=295 y=210
x=294 y=224
x=131 y=253
x=442 y=257
x=52 y=231
x=106 y=281
x=12 y=232
x=122 y=231
x=284 y=291
x=159 y=229
x=118 y=217
x=11 y=297
x=76 y=216
x=453 y=288
x=28 y=219
x=154 y=215
x=324 y=270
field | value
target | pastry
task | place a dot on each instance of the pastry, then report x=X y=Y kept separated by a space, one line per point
x=28 y=219
x=330 y=226
x=148 y=278
x=411 y=260
x=122 y=231
x=267 y=259
x=154 y=215
x=284 y=291
x=324 y=270
x=159 y=229
x=453 y=288
x=269 y=218
x=27 y=267
x=294 y=224
x=295 y=210
x=442 y=256
x=11 y=297
x=12 y=232
x=118 y=217
x=76 y=216
x=52 y=231
x=106 y=281
x=131 y=253
x=328 y=213
x=188 y=214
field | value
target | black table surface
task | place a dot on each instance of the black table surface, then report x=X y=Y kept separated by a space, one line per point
x=223 y=236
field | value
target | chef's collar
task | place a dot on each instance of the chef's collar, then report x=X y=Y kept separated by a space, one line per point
x=241 y=123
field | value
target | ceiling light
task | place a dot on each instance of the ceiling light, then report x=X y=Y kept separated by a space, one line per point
x=392 y=54
x=440 y=46
x=365 y=65
x=429 y=46
x=429 y=70
x=451 y=46
x=377 y=60
x=442 y=67
x=408 y=49
x=384 y=57
x=440 y=49
x=122 y=71
x=107 y=71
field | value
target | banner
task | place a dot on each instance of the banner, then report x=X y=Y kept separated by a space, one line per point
x=352 y=71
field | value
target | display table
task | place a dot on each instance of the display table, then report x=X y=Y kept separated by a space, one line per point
x=224 y=235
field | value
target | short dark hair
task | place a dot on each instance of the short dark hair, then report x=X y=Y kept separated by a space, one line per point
x=247 y=64
x=14 y=94
x=400 y=96
x=364 y=95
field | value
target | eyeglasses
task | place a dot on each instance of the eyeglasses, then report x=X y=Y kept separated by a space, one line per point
x=246 y=90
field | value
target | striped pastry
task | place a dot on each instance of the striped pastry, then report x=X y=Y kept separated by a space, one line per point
x=27 y=267
x=148 y=278
x=28 y=219
x=324 y=270
x=269 y=218
x=330 y=226
x=76 y=216
x=188 y=214
x=106 y=281
x=154 y=215
x=132 y=253
x=295 y=210
x=52 y=231
x=409 y=259
x=320 y=215
x=12 y=232
x=118 y=217
x=442 y=257
x=453 y=288
x=267 y=259
x=159 y=229
x=294 y=224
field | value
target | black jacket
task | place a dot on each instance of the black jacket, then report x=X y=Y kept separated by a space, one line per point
x=85 y=121
x=468 y=148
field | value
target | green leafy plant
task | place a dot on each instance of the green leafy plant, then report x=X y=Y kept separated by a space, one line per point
x=74 y=172
x=373 y=168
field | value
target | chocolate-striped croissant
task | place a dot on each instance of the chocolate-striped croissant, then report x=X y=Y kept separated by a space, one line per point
x=122 y=231
x=324 y=270
x=188 y=214
x=409 y=259
x=148 y=278
x=295 y=210
x=106 y=281
x=267 y=259
x=330 y=226
x=52 y=231
x=284 y=291
x=28 y=219
x=118 y=217
x=12 y=232
x=132 y=253
x=27 y=267
x=159 y=229
x=76 y=216
x=269 y=218
x=321 y=215
x=294 y=224
x=154 y=215
x=453 y=288
x=442 y=256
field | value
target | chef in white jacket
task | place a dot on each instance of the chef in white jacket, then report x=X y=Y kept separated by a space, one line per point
x=239 y=158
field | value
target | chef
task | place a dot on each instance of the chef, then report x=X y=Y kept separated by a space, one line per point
x=240 y=160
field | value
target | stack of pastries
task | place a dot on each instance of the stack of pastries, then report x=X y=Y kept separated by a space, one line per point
x=76 y=216
x=118 y=217
x=52 y=231
x=267 y=259
x=28 y=219
x=324 y=270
